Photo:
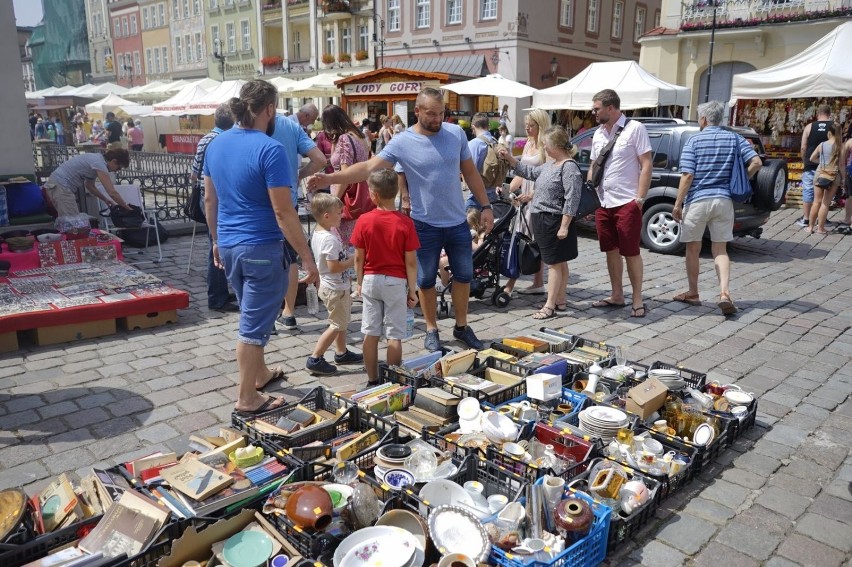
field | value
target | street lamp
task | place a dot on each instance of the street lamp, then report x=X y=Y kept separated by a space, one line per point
x=217 y=53
x=554 y=65
x=378 y=41
x=710 y=63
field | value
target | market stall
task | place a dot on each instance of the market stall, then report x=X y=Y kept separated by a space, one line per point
x=779 y=101
x=385 y=91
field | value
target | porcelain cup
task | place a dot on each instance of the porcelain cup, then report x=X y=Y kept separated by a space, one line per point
x=740 y=412
x=496 y=502
x=455 y=559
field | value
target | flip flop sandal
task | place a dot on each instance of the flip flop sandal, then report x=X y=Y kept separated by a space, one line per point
x=726 y=305
x=635 y=310
x=607 y=304
x=543 y=314
x=277 y=374
x=271 y=403
x=686 y=298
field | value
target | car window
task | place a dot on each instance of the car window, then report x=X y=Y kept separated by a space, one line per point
x=660 y=149
x=583 y=142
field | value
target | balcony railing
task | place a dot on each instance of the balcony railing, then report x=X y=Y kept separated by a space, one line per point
x=698 y=14
x=336 y=6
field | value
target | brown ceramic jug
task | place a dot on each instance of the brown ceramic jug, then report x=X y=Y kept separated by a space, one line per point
x=309 y=507
x=574 y=517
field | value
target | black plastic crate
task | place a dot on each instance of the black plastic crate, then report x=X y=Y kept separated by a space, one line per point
x=669 y=485
x=399 y=375
x=704 y=454
x=495 y=478
x=736 y=427
x=516 y=352
x=496 y=398
x=579 y=341
x=692 y=378
x=21 y=554
x=162 y=546
x=445 y=439
x=622 y=527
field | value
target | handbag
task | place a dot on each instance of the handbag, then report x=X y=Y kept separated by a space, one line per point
x=194 y=208
x=124 y=218
x=740 y=187
x=589 y=199
x=356 y=198
x=529 y=253
x=510 y=266
x=825 y=174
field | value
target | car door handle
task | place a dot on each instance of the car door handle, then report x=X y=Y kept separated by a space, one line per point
x=656 y=177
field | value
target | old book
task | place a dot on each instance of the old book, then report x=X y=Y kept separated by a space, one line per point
x=416 y=421
x=457 y=362
x=111 y=486
x=59 y=504
x=471 y=382
x=432 y=416
x=202 y=444
x=239 y=489
x=355 y=446
x=494 y=353
x=437 y=401
x=127 y=527
x=195 y=479
x=138 y=466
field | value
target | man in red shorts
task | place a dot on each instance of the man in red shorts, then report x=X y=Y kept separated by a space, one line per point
x=626 y=179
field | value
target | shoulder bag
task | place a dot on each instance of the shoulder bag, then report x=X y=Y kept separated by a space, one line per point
x=589 y=200
x=356 y=198
x=825 y=174
x=740 y=187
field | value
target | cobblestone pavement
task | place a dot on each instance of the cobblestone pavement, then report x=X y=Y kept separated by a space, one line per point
x=781 y=496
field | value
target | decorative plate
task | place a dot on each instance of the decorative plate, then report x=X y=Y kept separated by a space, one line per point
x=400 y=543
x=703 y=435
x=247 y=549
x=456 y=530
x=398 y=478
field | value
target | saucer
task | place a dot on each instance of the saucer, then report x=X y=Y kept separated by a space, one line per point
x=247 y=549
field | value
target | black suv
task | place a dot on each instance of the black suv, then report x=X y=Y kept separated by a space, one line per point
x=660 y=232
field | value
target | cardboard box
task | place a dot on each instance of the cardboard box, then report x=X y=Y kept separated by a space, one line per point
x=646 y=398
x=148 y=320
x=544 y=387
x=67 y=333
x=9 y=341
x=196 y=545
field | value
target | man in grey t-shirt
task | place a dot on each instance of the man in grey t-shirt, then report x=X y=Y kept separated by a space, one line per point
x=82 y=171
x=431 y=153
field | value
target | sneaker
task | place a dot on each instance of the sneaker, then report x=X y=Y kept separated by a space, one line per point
x=432 y=342
x=288 y=323
x=348 y=357
x=468 y=337
x=532 y=290
x=320 y=366
x=802 y=222
x=829 y=224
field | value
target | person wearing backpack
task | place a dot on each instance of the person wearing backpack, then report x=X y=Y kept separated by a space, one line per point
x=484 y=151
x=707 y=164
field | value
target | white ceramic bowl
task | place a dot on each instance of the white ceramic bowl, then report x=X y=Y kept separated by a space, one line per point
x=469 y=409
x=409 y=521
x=443 y=492
x=498 y=428
x=738 y=398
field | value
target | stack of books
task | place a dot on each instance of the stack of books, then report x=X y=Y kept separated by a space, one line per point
x=433 y=409
x=384 y=399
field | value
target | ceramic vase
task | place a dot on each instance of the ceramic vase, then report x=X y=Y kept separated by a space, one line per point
x=573 y=517
x=310 y=507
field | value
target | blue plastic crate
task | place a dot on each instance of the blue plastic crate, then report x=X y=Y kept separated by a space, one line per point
x=576 y=399
x=588 y=552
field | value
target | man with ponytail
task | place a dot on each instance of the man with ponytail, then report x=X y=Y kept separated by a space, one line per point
x=247 y=182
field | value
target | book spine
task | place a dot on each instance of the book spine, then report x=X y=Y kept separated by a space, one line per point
x=173 y=503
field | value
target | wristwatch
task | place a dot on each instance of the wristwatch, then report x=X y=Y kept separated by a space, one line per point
x=483 y=207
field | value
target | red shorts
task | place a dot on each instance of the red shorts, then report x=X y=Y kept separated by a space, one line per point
x=620 y=227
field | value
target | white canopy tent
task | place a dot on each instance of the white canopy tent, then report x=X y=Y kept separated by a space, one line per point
x=821 y=70
x=207 y=83
x=139 y=90
x=96 y=91
x=282 y=83
x=181 y=101
x=492 y=85
x=109 y=103
x=318 y=85
x=207 y=104
x=636 y=87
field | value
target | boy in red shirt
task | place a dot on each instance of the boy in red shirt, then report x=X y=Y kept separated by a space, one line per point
x=385 y=243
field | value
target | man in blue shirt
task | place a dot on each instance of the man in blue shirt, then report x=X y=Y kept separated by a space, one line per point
x=297 y=144
x=704 y=198
x=431 y=153
x=478 y=147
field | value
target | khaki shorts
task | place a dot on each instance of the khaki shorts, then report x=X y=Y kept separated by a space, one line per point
x=339 y=305
x=64 y=200
x=717 y=214
x=385 y=305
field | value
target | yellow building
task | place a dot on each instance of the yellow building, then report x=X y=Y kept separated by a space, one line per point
x=156 y=39
x=232 y=38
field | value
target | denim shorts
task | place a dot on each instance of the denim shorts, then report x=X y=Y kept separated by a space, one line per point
x=385 y=304
x=455 y=241
x=258 y=276
x=808 y=185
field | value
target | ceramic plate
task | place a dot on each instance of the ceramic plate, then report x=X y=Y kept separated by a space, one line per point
x=703 y=435
x=247 y=549
x=389 y=534
x=456 y=530
x=398 y=478
x=441 y=493
x=382 y=551
x=738 y=398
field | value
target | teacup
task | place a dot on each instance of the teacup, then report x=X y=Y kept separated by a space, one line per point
x=514 y=450
x=456 y=559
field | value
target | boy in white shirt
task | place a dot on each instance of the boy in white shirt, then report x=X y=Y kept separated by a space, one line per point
x=334 y=264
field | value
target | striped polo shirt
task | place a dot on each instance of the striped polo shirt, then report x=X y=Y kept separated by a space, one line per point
x=709 y=157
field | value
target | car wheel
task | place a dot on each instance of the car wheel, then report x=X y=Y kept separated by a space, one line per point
x=770 y=185
x=660 y=232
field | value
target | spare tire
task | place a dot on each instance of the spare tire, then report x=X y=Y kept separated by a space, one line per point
x=770 y=185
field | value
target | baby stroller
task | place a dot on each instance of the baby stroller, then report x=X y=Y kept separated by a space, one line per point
x=486 y=262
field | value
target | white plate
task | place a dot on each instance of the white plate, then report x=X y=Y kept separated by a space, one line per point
x=605 y=414
x=387 y=536
x=382 y=551
x=738 y=398
x=443 y=492
x=703 y=435
x=456 y=530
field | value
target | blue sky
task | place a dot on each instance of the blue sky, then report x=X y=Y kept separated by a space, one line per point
x=27 y=12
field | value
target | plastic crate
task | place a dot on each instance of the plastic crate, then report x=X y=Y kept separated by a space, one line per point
x=499 y=397
x=692 y=378
x=669 y=485
x=704 y=454
x=38 y=547
x=445 y=439
x=399 y=375
x=576 y=399
x=578 y=341
x=574 y=420
x=736 y=427
x=516 y=352
x=590 y=551
x=622 y=527
x=162 y=546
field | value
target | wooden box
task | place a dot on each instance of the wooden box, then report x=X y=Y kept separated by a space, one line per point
x=148 y=320
x=67 y=333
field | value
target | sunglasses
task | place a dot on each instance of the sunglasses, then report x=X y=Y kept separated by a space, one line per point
x=596 y=110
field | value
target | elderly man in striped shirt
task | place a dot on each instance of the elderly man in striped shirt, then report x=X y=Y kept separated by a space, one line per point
x=704 y=198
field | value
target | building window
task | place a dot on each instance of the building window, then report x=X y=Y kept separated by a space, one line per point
x=199 y=51
x=133 y=29
x=175 y=10
x=329 y=42
x=639 y=28
x=592 y=17
x=187 y=44
x=566 y=13
x=98 y=24
x=345 y=40
x=214 y=38
x=157 y=67
x=178 y=51
x=364 y=38
x=297 y=45
x=137 y=65
x=454 y=11
x=487 y=9
x=617 y=19
x=146 y=22
x=214 y=4
x=117 y=25
x=185 y=8
x=232 y=38
x=165 y=59
x=423 y=13
x=162 y=14
x=245 y=33
x=124 y=27
x=393 y=15
x=196 y=7
x=148 y=61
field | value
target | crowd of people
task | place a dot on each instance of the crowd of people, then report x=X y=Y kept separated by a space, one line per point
x=111 y=133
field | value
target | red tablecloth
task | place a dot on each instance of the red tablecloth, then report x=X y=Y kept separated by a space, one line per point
x=30 y=260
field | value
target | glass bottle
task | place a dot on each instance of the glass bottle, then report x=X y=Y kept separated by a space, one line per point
x=312 y=299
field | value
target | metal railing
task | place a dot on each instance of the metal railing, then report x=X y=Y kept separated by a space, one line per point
x=164 y=179
x=736 y=13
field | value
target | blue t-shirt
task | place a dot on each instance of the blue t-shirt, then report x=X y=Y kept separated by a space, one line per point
x=244 y=164
x=431 y=165
x=296 y=143
x=709 y=157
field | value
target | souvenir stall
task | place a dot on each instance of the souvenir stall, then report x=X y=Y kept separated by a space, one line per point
x=779 y=101
x=545 y=449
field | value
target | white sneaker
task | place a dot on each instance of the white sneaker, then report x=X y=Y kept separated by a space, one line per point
x=531 y=290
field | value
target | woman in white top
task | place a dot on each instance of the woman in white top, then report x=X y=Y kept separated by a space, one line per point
x=535 y=123
x=505 y=138
x=827 y=155
x=398 y=126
